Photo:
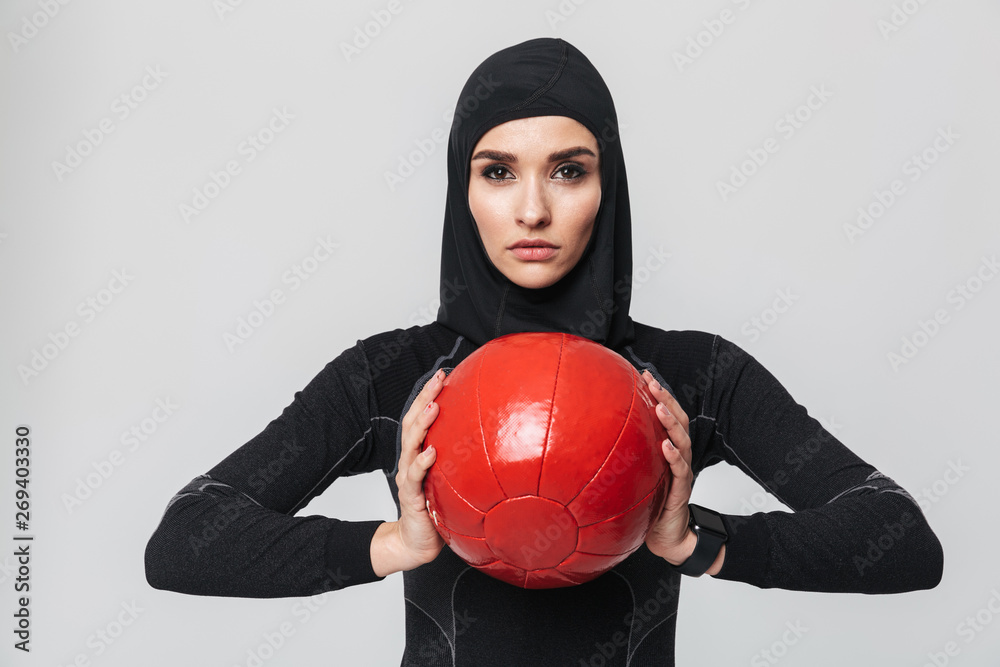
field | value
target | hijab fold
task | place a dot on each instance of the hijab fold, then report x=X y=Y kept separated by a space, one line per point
x=540 y=77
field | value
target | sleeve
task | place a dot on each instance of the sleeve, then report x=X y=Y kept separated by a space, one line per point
x=232 y=531
x=852 y=530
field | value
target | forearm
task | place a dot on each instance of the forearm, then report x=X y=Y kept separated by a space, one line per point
x=852 y=530
x=683 y=551
x=876 y=543
x=214 y=541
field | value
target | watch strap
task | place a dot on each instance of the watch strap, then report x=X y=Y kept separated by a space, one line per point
x=709 y=543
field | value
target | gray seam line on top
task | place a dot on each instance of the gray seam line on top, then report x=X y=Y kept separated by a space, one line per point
x=413 y=394
x=669 y=616
x=748 y=469
x=894 y=489
x=454 y=630
x=653 y=371
x=339 y=461
x=434 y=621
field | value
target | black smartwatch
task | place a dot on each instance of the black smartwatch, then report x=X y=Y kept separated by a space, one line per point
x=711 y=532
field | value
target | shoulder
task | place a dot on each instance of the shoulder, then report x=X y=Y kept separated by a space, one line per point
x=688 y=341
x=687 y=353
x=690 y=361
x=396 y=360
x=701 y=348
x=418 y=345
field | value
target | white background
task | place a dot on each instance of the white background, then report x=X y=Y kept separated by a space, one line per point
x=62 y=235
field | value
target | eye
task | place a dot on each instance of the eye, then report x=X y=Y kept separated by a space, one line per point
x=569 y=171
x=497 y=172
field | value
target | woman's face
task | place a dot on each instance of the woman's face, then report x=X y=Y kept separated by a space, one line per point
x=534 y=191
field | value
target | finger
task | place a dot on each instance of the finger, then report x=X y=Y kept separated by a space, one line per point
x=427 y=393
x=665 y=397
x=411 y=492
x=419 y=418
x=682 y=477
x=675 y=431
x=418 y=469
x=413 y=438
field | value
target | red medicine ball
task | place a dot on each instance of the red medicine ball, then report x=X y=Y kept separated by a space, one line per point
x=549 y=470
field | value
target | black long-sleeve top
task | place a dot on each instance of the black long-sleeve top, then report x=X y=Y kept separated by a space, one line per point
x=234 y=531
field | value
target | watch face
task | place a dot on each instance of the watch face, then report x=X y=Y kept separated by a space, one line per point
x=708 y=521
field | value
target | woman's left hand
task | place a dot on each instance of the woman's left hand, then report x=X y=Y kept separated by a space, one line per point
x=670 y=538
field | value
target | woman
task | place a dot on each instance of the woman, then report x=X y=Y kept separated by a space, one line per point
x=537 y=237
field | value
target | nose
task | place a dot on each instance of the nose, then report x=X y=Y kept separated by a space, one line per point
x=533 y=206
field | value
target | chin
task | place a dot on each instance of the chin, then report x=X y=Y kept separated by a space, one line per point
x=532 y=280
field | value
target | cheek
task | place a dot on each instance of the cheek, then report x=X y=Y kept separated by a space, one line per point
x=483 y=204
x=487 y=213
x=583 y=213
x=489 y=201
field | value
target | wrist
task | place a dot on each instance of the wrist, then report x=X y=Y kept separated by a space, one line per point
x=717 y=565
x=710 y=536
x=387 y=552
x=682 y=550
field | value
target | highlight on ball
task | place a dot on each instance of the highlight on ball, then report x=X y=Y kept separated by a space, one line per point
x=549 y=470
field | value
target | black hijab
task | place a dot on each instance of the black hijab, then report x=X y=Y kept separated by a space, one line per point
x=540 y=77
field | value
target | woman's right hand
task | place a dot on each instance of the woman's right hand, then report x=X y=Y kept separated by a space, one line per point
x=413 y=540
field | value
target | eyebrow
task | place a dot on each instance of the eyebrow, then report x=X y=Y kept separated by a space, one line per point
x=503 y=156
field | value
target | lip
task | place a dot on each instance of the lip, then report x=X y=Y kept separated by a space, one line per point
x=531 y=243
x=533 y=250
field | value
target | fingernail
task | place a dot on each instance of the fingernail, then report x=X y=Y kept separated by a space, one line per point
x=429 y=450
x=669 y=444
x=656 y=386
x=429 y=406
x=661 y=406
